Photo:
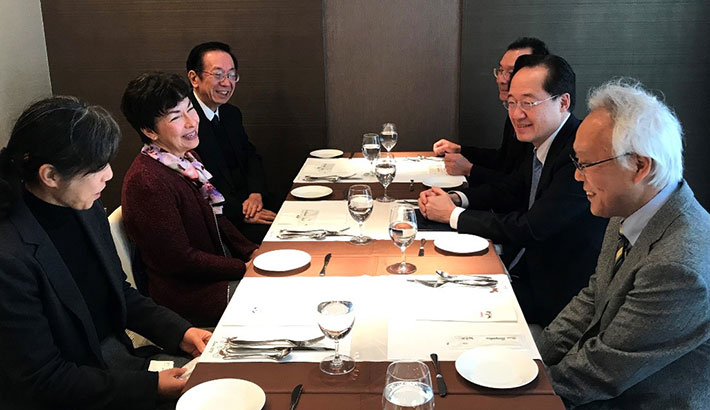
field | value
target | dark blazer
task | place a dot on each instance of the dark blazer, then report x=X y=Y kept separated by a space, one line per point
x=51 y=356
x=640 y=339
x=176 y=233
x=561 y=237
x=492 y=165
x=246 y=174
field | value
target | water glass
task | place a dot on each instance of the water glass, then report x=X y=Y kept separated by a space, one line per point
x=371 y=148
x=335 y=319
x=402 y=230
x=385 y=171
x=408 y=386
x=360 y=207
x=388 y=136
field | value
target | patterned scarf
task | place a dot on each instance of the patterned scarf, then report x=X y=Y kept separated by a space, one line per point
x=190 y=168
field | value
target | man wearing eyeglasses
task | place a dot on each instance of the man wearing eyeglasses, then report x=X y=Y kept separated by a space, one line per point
x=638 y=336
x=492 y=164
x=224 y=147
x=539 y=213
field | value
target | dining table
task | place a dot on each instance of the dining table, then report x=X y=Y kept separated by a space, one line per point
x=398 y=317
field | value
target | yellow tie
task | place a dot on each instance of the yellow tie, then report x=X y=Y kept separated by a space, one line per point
x=621 y=251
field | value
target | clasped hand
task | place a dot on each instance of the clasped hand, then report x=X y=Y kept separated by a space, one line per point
x=436 y=205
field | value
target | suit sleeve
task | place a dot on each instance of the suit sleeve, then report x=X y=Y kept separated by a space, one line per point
x=663 y=317
x=38 y=368
x=256 y=180
x=147 y=200
x=499 y=211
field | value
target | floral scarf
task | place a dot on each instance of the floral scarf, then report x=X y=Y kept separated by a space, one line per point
x=190 y=168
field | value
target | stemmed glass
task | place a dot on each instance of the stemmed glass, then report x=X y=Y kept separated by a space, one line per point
x=388 y=136
x=360 y=206
x=408 y=386
x=385 y=170
x=403 y=229
x=371 y=149
x=335 y=319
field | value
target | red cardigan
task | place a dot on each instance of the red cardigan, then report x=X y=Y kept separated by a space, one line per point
x=175 y=231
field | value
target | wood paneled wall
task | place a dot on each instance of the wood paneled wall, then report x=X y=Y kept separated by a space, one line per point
x=662 y=43
x=96 y=46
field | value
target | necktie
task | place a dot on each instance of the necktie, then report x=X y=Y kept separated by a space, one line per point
x=536 y=171
x=215 y=121
x=622 y=249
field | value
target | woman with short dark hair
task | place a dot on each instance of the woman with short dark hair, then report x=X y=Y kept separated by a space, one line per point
x=193 y=255
x=64 y=299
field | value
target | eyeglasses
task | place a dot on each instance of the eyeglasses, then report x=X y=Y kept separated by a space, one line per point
x=219 y=76
x=497 y=71
x=525 y=105
x=581 y=167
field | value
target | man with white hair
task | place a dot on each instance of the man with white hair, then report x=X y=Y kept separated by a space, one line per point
x=638 y=336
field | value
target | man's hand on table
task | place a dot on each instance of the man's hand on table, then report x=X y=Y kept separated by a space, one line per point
x=436 y=205
x=457 y=164
x=443 y=146
x=264 y=217
x=194 y=341
x=252 y=205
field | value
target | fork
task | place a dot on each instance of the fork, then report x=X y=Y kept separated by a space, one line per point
x=294 y=343
x=276 y=355
x=329 y=178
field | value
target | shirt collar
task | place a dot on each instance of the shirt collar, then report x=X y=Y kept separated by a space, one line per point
x=544 y=148
x=205 y=109
x=634 y=224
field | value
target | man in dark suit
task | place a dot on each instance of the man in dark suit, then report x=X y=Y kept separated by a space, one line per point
x=492 y=165
x=638 y=336
x=540 y=211
x=224 y=147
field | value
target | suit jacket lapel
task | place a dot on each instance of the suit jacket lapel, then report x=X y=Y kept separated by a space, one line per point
x=57 y=272
x=557 y=148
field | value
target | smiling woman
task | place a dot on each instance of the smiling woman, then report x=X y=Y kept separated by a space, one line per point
x=193 y=255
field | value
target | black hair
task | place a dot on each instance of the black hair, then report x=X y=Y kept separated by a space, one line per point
x=65 y=132
x=150 y=96
x=537 y=46
x=560 y=76
x=195 y=62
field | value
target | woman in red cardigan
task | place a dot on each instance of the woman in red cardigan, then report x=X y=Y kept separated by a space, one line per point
x=193 y=256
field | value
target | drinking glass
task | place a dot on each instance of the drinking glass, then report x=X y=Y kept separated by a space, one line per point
x=403 y=229
x=335 y=319
x=385 y=170
x=388 y=136
x=408 y=386
x=360 y=207
x=371 y=149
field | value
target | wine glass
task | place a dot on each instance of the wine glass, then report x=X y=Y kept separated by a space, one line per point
x=385 y=170
x=403 y=229
x=360 y=207
x=408 y=386
x=335 y=319
x=371 y=148
x=388 y=136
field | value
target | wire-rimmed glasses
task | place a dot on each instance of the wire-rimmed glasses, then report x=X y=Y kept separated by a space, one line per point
x=526 y=105
x=582 y=166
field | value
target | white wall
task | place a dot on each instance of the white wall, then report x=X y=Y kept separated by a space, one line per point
x=24 y=71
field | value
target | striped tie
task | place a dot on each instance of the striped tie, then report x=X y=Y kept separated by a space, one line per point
x=621 y=250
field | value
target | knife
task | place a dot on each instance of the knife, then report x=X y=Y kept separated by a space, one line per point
x=421 y=247
x=440 y=384
x=295 y=395
x=325 y=264
x=275 y=347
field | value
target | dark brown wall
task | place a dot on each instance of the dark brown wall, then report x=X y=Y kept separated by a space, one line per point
x=96 y=46
x=662 y=43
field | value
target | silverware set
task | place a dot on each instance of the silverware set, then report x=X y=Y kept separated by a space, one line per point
x=317 y=234
x=330 y=178
x=424 y=158
x=273 y=349
x=462 y=280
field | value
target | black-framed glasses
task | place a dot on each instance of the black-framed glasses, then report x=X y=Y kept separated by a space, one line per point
x=581 y=167
x=219 y=76
x=526 y=105
x=498 y=71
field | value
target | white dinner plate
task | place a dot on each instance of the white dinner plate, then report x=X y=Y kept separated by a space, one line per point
x=311 y=191
x=326 y=153
x=282 y=260
x=496 y=367
x=441 y=182
x=461 y=243
x=223 y=394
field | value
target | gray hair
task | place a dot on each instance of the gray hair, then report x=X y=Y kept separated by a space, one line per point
x=643 y=125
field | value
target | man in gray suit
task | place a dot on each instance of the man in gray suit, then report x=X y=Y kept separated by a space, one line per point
x=638 y=336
